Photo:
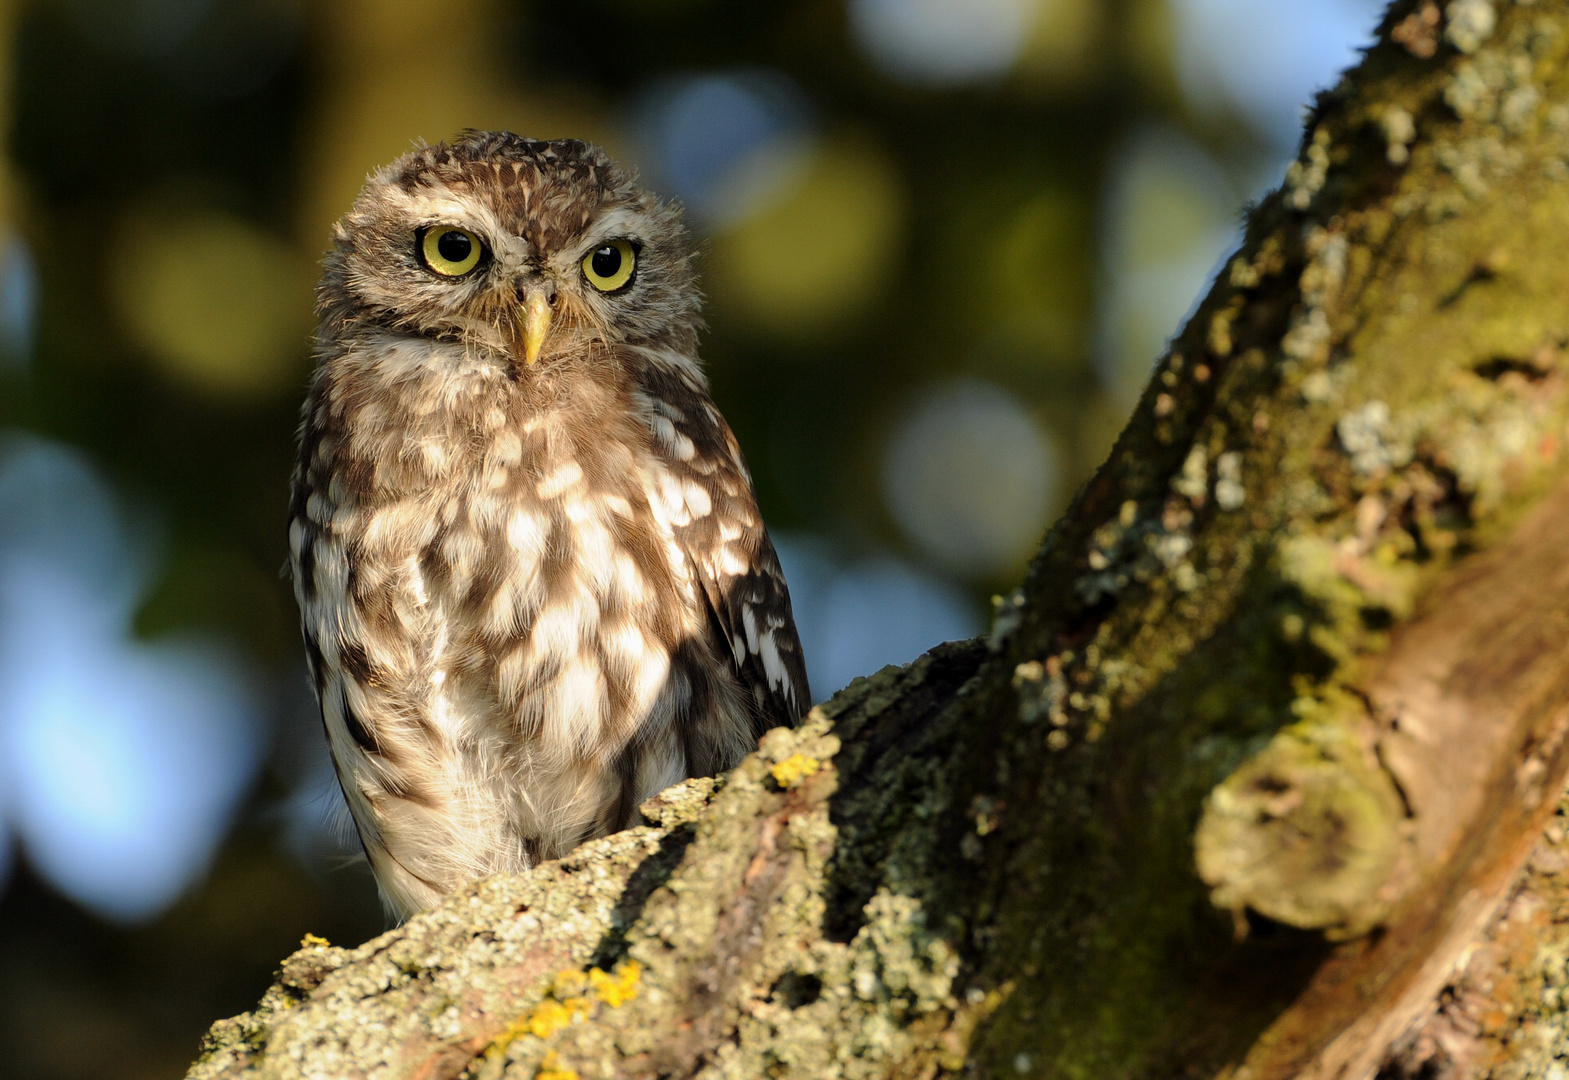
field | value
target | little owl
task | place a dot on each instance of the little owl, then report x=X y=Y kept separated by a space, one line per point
x=534 y=585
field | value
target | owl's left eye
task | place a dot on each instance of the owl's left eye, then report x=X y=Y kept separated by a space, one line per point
x=610 y=266
x=451 y=252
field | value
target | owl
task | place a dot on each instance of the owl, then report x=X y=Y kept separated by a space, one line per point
x=534 y=585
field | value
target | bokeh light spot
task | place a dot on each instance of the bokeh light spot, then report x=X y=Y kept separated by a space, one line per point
x=1065 y=42
x=942 y=42
x=971 y=478
x=1028 y=284
x=821 y=255
x=217 y=303
x=727 y=145
x=121 y=762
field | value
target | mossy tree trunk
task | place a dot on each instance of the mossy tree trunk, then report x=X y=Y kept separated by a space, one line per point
x=1248 y=778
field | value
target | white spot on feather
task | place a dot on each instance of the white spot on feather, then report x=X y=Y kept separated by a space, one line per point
x=416 y=580
x=463 y=551
x=512 y=674
x=511 y=605
x=696 y=499
x=433 y=453
x=627 y=582
x=562 y=628
x=575 y=705
x=631 y=650
x=398 y=527
x=749 y=622
x=773 y=666
x=674 y=440
x=668 y=499
x=507 y=450
x=331 y=569
x=565 y=476
x=732 y=561
x=526 y=532
x=596 y=553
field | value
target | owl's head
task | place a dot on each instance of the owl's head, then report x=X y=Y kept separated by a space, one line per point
x=529 y=248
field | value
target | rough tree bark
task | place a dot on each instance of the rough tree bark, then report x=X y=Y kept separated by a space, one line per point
x=1246 y=781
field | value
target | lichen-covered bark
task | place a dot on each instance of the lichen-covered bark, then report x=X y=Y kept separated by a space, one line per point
x=1266 y=610
x=1243 y=781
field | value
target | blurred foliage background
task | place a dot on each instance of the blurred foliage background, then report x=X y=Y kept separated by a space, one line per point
x=944 y=241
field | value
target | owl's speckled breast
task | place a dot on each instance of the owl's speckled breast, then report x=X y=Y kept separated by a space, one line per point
x=514 y=604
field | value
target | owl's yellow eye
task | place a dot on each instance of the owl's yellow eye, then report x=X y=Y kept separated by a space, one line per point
x=609 y=266
x=451 y=252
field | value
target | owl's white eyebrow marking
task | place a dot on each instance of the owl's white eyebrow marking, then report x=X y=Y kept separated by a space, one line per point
x=618 y=223
x=435 y=203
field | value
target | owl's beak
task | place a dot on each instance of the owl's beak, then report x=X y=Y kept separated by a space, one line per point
x=537 y=314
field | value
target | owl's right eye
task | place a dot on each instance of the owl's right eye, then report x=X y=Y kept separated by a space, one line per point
x=451 y=252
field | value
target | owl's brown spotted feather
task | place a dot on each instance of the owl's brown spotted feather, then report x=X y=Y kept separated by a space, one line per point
x=532 y=594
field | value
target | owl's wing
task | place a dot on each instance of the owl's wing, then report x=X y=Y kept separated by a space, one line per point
x=751 y=611
x=721 y=533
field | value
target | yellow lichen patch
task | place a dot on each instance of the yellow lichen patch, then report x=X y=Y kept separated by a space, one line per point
x=573 y=995
x=311 y=939
x=552 y=1069
x=618 y=989
x=795 y=768
x=548 y=1016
